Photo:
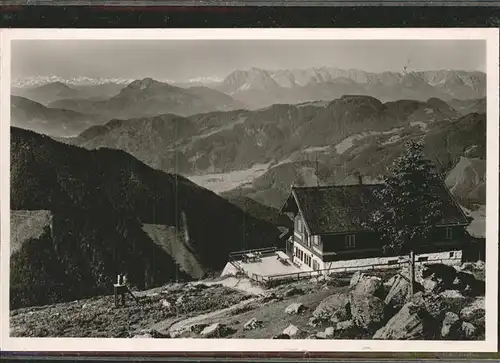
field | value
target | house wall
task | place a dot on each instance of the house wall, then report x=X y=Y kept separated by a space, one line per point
x=368 y=245
x=301 y=251
x=448 y=257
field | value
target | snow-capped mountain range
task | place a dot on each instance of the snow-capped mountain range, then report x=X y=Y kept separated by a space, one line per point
x=262 y=78
x=258 y=88
x=37 y=81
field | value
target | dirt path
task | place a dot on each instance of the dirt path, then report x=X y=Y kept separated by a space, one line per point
x=242 y=284
x=180 y=325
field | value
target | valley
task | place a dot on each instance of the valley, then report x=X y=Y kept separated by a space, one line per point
x=183 y=175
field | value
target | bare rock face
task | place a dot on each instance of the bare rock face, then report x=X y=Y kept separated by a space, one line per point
x=334 y=308
x=295 y=308
x=451 y=326
x=368 y=311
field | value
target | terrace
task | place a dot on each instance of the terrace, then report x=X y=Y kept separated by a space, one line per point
x=261 y=263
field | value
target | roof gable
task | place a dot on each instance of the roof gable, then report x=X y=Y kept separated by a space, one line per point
x=345 y=208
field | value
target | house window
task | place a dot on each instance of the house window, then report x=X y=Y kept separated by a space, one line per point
x=421 y=259
x=315 y=240
x=449 y=233
x=452 y=254
x=350 y=241
x=299 y=225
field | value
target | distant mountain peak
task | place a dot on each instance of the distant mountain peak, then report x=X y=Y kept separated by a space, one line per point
x=145 y=83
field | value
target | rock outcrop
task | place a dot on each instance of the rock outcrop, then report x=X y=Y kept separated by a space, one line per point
x=368 y=311
x=216 y=330
x=291 y=331
x=334 y=308
x=451 y=325
x=418 y=319
x=295 y=308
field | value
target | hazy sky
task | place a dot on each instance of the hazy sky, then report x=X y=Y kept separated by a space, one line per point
x=183 y=59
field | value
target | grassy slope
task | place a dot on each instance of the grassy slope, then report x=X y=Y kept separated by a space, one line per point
x=100 y=199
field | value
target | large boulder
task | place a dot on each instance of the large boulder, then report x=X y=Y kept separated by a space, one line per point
x=475 y=268
x=291 y=331
x=475 y=312
x=327 y=334
x=399 y=290
x=216 y=330
x=252 y=324
x=198 y=328
x=405 y=325
x=333 y=308
x=420 y=318
x=468 y=330
x=452 y=294
x=346 y=329
x=468 y=283
x=295 y=308
x=451 y=326
x=355 y=279
x=368 y=311
x=366 y=284
x=438 y=277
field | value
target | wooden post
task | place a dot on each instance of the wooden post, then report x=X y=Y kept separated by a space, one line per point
x=412 y=272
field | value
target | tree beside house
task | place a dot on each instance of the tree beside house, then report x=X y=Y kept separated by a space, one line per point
x=362 y=224
x=410 y=209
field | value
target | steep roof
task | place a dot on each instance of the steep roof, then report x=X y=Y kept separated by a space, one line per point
x=344 y=208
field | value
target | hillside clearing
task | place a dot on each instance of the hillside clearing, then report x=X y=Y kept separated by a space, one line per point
x=222 y=182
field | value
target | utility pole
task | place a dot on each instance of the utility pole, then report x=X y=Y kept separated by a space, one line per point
x=317 y=168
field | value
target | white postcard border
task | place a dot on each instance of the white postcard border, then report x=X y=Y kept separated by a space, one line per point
x=490 y=35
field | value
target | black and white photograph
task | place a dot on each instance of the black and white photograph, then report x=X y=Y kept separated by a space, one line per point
x=327 y=189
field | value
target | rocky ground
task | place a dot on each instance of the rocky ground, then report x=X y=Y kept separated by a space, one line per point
x=449 y=304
